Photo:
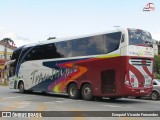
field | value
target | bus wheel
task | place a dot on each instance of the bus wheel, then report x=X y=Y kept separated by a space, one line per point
x=21 y=87
x=73 y=91
x=154 y=96
x=87 y=92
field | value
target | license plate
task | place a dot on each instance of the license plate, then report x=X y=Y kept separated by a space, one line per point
x=141 y=90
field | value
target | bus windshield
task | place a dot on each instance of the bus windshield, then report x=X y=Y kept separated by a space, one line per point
x=139 y=37
x=15 y=57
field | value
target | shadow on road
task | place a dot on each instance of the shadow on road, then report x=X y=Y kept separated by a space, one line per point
x=104 y=100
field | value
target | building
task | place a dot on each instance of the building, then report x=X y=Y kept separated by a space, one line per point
x=6 y=51
x=155 y=47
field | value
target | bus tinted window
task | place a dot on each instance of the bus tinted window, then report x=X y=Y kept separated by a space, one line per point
x=111 y=42
x=64 y=48
x=47 y=51
x=15 y=56
x=95 y=45
x=24 y=53
x=88 y=46
x=50 y=51
x=79 y=46
x=32 y=54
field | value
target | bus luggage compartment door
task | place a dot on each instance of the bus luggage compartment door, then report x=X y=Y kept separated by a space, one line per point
x=108 y=81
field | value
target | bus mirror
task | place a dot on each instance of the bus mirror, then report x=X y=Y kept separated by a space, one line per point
x=8 y=63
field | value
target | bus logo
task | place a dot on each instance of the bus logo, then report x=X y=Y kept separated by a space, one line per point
x=149 y=7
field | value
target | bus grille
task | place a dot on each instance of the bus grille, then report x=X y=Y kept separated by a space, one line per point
x=140 y=62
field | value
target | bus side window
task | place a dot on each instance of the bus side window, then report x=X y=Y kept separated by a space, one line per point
x=64 y=48
x=24 y=55
x=95 y=45
x=79 y=47
x=33 y=54
x=111 y=42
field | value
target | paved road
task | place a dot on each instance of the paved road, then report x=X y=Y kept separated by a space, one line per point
x=12 y=100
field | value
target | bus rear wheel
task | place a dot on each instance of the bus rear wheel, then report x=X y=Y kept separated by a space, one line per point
x=73 y=91
x=87 y=92
x=21 y=87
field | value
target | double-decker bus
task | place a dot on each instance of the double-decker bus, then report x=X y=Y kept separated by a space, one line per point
x=111 y=64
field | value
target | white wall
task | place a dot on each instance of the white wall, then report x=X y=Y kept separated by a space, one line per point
x=2 y=49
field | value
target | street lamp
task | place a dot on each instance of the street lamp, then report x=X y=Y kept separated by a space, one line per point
x=116 y=27
x=51 y=38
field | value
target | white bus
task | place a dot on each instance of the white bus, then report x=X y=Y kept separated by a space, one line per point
x=110 y=64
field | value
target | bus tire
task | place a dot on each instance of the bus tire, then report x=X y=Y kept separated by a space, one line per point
x=73 y=91
x=87 y=92
x=154 y=95
x=21 y=87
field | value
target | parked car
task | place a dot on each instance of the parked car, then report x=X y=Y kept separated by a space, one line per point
x=155 y=95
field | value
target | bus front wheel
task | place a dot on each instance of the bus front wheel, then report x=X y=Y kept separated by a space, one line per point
x=21 y=87
x=87 y=92
x=73 y=91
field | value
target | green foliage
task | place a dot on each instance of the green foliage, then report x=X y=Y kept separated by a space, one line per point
x=157 y=67
x=156 y=76
x=8 y=41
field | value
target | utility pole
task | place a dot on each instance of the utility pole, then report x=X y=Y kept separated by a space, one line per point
x=5 y=53
x=5 y=60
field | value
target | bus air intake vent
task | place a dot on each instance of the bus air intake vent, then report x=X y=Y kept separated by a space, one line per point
x=140 y=62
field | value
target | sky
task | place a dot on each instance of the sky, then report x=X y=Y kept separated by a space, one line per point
x=30 y=21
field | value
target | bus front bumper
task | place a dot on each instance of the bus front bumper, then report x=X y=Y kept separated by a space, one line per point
x=11 y=84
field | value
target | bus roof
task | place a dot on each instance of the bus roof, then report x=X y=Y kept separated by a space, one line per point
x=70 y=38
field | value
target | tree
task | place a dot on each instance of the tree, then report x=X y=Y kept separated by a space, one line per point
x=157 y=66
x=8 y=41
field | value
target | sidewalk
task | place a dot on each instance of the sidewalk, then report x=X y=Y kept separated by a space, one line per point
x=2 y=82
